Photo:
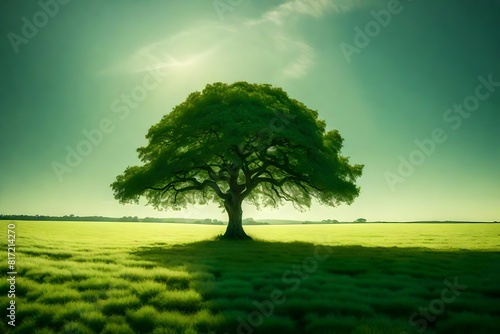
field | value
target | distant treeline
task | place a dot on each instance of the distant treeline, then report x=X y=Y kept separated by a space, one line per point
x=70 y=218
x=334 y=221
x=130 y=219
x=206 y=221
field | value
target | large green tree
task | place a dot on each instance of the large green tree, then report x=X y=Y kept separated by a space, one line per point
x=235 y=143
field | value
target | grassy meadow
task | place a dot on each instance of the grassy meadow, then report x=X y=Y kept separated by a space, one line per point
x=176 y=278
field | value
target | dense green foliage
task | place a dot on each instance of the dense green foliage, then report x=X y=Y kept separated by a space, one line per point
x=238 y=142
x=167 y=278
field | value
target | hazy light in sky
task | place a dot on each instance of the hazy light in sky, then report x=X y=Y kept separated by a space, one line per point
x=384 y=99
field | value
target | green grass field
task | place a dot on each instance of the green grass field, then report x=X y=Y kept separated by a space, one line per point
x=174 y=278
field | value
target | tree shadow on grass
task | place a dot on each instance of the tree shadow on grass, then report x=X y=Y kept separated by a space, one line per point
x=269 y=287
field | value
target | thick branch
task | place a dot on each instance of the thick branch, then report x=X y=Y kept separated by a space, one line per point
x=212 y=174
x=196 y=185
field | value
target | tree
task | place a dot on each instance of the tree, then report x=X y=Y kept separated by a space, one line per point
x=235 y=143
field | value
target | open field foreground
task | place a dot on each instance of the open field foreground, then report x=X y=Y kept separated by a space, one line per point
x=170 y=278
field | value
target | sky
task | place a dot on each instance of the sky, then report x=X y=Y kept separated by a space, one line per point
x=412 y=86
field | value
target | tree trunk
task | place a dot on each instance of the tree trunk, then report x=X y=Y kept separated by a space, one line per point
x=234 y=228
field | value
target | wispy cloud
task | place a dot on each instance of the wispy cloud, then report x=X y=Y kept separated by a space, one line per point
x=277 y=15
x=303 y=59
x=174 y=52
x=313 y=8
x=252 y=42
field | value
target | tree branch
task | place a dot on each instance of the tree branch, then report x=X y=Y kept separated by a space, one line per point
x=196 y=185
x=212 y=174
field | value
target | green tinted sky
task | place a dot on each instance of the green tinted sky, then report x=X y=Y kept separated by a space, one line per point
x=382 y=92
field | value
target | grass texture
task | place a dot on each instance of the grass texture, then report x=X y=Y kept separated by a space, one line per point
x=77 y=277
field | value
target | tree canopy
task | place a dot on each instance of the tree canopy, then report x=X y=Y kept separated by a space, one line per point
x=235 y=142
